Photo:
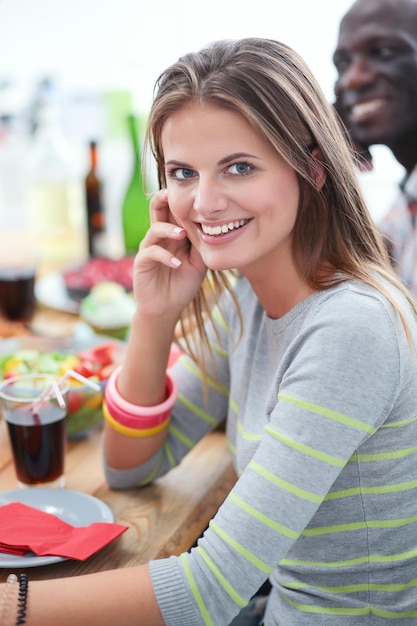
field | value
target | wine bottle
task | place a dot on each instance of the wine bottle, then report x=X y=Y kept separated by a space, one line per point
x=54 y=191
x=135 y=206
x=96 y=217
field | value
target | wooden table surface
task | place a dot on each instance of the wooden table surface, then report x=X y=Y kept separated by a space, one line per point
x=164 y=518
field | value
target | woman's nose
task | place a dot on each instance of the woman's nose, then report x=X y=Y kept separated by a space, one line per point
x=209 y=197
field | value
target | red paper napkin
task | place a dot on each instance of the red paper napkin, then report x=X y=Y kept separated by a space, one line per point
x=26 y=529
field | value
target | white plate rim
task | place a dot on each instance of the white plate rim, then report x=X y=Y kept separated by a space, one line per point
x=42 y=498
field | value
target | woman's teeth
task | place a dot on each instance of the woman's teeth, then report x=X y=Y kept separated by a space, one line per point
x=225 y=228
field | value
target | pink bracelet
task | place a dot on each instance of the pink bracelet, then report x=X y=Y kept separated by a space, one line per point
x=133 y=415
x=131 y=432
x=133 y=421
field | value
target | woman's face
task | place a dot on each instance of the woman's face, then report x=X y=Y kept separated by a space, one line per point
x=234 y=195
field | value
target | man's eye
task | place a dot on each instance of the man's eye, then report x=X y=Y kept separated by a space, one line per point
x=240 y=168
x=341 y=63
x=342 y=66
x=384 y=52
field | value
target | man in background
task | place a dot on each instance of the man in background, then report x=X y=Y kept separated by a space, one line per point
x=376 y=97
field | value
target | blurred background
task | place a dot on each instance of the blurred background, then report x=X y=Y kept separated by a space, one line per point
x=78 y=68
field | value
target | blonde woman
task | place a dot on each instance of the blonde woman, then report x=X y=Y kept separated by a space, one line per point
x=302 y=337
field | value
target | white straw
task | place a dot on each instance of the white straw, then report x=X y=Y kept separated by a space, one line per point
x=54 y=387
x=58 y=394
x=81 y=379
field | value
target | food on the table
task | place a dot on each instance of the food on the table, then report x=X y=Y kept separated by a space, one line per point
x=95 y=363
x=108 y=309
x=80 y=280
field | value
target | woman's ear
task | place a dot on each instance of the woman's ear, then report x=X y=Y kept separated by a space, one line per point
x=317 y=170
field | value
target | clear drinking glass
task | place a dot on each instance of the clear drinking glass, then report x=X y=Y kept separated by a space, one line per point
x=35 y=407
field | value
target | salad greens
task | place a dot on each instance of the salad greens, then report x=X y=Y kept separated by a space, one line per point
x=96 y=362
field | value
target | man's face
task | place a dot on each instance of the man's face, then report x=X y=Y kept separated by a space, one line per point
x=376 y=60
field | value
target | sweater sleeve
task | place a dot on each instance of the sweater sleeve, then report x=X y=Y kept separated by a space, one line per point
x=337 y=384
x=194 y=413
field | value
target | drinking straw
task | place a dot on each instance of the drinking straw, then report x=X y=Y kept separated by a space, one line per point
x=58 y=394
x=53 y=389
x=82 y=379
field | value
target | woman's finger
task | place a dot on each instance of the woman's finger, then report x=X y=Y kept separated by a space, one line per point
x=157 y=254
x=159 y=207
x=162 y=232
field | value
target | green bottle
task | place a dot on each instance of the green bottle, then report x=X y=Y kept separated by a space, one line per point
x=135 y=207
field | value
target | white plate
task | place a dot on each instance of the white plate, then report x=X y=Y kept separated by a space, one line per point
x=51 y=292
x=77 y=509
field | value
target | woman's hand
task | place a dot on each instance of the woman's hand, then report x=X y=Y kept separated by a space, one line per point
x=168 y=271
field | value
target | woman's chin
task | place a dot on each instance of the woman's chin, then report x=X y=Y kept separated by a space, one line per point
x=215 y=263
x=221 y=267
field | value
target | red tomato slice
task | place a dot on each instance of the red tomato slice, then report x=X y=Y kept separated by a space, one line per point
x=86 y=369
x=75 y=400
x=102 y=354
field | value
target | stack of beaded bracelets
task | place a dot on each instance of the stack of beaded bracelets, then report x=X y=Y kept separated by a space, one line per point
x=133 y=420
x=7 y=598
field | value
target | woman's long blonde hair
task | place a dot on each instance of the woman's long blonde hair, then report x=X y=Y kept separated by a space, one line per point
x=272 y=87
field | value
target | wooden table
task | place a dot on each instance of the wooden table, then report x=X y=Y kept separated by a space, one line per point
x=164 y=518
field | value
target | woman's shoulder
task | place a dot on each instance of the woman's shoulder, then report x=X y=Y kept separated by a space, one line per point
x=356 y=303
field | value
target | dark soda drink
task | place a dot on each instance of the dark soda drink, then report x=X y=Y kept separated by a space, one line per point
x=17 y=299
x=38 y=448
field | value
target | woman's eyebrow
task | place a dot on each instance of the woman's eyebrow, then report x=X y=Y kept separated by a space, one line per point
x=178 y=163
x=236 y=155
x=226 y=159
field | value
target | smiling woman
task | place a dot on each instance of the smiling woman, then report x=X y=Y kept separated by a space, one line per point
x=306 y=309
x=236 y=143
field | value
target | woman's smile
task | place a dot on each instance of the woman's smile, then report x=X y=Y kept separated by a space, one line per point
x=223 y=228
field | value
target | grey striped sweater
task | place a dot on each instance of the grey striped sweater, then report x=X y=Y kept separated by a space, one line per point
x=321 y=412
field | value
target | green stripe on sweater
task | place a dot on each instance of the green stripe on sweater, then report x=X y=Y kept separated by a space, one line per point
x=249 y=556
x=223 y=582
x=333 y=415
x=195 y=591
x=307 y=450
x=283 y=484
x=196 y=410
x=372 y=558
x=341 y=528
x=388 y=588
x=366 y=610
x=264 y=519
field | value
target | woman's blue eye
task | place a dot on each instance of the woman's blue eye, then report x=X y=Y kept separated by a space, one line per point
x=240 y=168
x=182 y=173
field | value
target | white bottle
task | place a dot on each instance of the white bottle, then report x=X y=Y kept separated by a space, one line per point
x=54 y=192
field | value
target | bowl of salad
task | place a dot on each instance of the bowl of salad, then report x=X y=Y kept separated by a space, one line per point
x=94 y=361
